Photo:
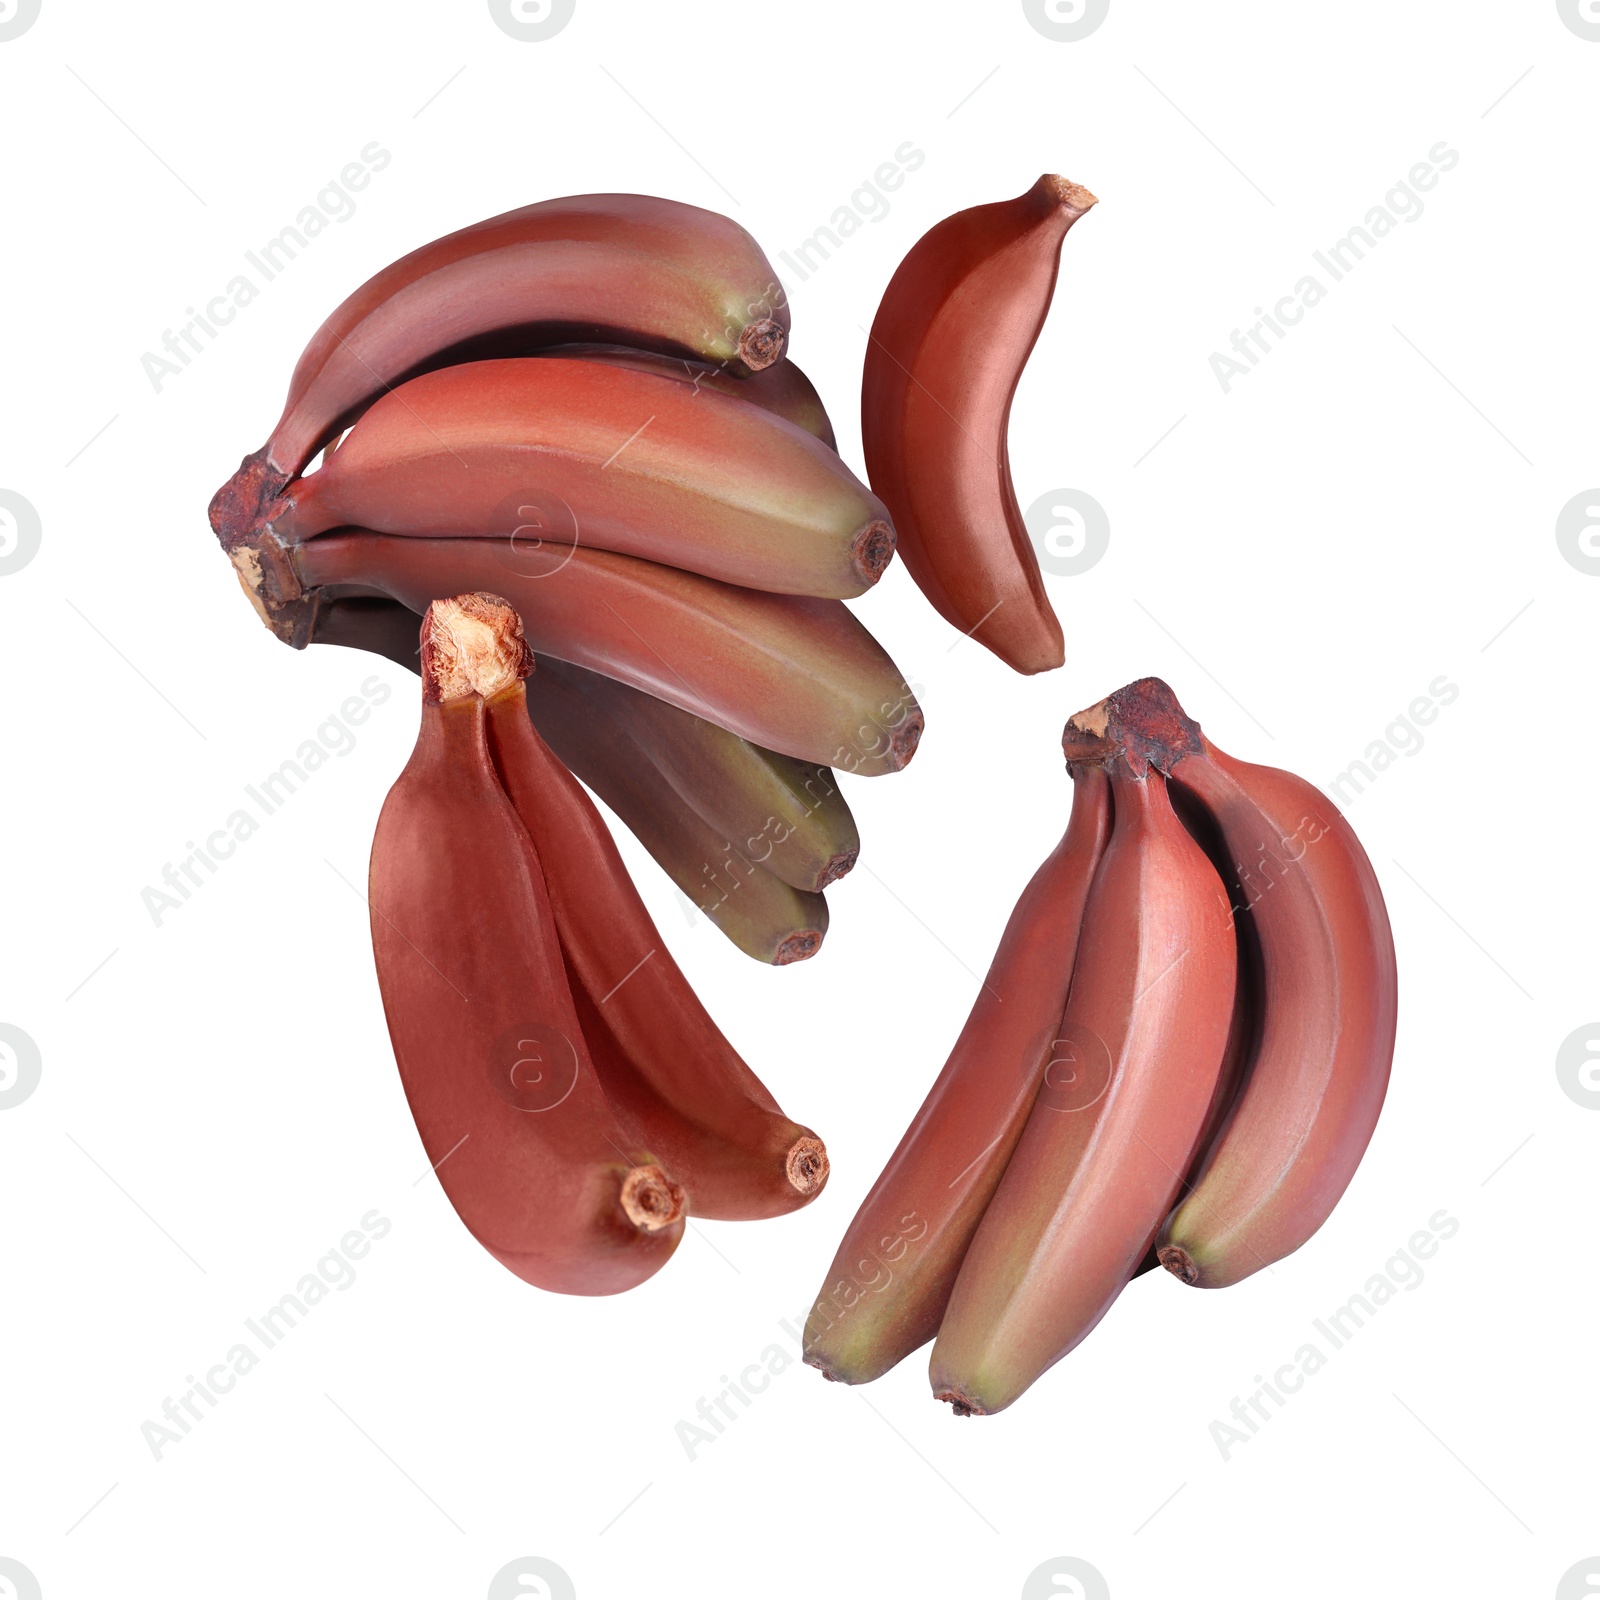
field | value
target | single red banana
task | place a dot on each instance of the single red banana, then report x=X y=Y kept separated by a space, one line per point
x=783 y=389
x=1105 y=1148
x=668 y=1070
x=1316 y=1077
x=784 y=815
x=952 y=335
x=891 y=1278
x=757 y=912
x=796 y=675
x=627 y=267
x=607 y=456
x=487 y=1040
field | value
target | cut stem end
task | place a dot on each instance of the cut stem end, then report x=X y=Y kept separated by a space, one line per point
x=872 y=550
x=807 y=1165
x=838 y=866
x=651 y=1200
x=472 y=644
x=963 y=1405
x=762 y=343
x=1179 y=1263
x=800 y=946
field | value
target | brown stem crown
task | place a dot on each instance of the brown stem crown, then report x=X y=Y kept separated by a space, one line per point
x=1138 y=727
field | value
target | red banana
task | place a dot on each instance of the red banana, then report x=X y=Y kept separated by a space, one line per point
x=778 y=813
x=891 y=1278
x=790 y=673
x=952 y=335
x=1316 y=1077
x=607 y=456
x=626 y=267
x=759 y=913
x=672 y=1076
x=783 y=389
x=488 y=1043
x=1106 y=1146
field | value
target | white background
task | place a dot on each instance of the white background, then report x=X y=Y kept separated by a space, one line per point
x=1373 y=507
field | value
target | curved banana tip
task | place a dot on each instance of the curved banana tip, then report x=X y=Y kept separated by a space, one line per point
x=651 y=1200
x=905 y=738
x=838 y=867
x=872 y=550
x=960 y=1403
x=807 y=1165
x=762 y=343
x=799 y=946
x=1179 y=1263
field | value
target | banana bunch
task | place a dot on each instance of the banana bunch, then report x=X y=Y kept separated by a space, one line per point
x=585 y=406
x=1178 y=1056
x=574 y=1098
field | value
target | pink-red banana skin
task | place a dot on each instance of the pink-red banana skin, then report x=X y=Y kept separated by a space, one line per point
x=470 y=971
x=890 y=1280
x=667 y=1068
x=949 y=343
x=1319 y=1071
x=790 y=673
x=781 y=814
x=607 y=456
x=784 y=815
x=783 y=389
x=1089 y=1184
x=633 y=268
x=767 y=919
